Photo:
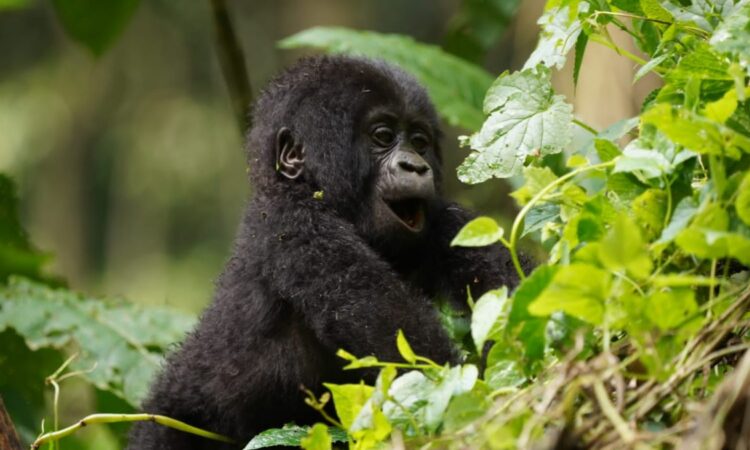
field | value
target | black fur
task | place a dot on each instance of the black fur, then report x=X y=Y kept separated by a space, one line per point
x=307 y=276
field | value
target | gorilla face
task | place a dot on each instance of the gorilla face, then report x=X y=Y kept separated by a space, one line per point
x=401 y=147
x=368 y=142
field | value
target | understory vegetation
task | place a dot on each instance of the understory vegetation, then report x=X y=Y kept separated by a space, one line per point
x=631 y=332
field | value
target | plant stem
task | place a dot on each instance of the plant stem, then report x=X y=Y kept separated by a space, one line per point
x=115 y=418
x=620 y=51
x=610 y=411
x=586 y=127
x=232 y=64
x=525 y=210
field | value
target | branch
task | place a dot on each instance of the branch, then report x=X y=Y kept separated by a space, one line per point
x=232 y=64
x=114 y=418
x=8 y=436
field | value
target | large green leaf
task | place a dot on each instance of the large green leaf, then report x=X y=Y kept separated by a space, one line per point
x=95 y=23
x=525 y=118
x=123 y=342
x=489 y=315
x=289 y=436
x=579 y=290
x=455 y=86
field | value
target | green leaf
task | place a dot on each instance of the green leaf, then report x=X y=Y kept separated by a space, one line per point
x=559 y=33
x=668 y=309
x=405 y=349
x=416 y=400
x=17 y=255
x=95 y=23
x=606 y=150
x=465 y=408
x=504 y=373
x=701 y=63
x=654 y=10
x=644 y=162
x=696 y=132
x=525 y=119
x=489 y=311
x=623 y=249
x=529 y=289
x=124 y=341
x=711 y=244
x=649 y=210
x=576 y=161
x=733 y=35
x=683 y=213
x=723 y=108
x=455 y=86
x=578 y=290
x=705 y=14
x=479 y=232
x=317 y=438
x=503 y=367
x=649 y=66
x=742 y=204
x=477 y=27
x=348 y=400
x=535 y=179
x=290 y=435
x=581 y=43
x=539 y=216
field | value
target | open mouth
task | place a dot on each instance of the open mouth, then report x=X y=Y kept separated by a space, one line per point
x=411 y=212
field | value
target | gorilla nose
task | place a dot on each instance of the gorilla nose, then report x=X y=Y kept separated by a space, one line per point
x=414 y=163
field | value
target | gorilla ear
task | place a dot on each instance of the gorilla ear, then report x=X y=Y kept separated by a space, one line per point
x=290 y=155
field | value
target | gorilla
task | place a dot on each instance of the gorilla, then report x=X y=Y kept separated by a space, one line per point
x=346 y=240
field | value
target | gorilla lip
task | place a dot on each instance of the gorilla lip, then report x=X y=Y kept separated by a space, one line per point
x=409 y=212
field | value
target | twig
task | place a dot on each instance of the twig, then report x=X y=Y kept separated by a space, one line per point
x=610 y=411
x=232 y=65
x=114 y=418
x=522 y=214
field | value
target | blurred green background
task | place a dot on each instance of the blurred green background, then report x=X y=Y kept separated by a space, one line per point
x=130 y=167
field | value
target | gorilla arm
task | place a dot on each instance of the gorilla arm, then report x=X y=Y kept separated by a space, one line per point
x=460 y=268
x=350 y=297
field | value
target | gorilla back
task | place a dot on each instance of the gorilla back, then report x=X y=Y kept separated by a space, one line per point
x=344 y=242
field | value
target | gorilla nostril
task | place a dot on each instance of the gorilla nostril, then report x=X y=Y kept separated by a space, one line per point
x=409 y=166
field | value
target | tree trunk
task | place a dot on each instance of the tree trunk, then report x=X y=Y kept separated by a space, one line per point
x=8 y=436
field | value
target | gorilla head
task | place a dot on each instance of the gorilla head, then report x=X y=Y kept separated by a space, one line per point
x=373 y=134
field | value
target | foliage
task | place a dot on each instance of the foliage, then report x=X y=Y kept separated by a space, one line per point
x=120 y=345
x=93 y=23
x=455 y=86
x=648 y=241
x=17 y=255
x=477 y=27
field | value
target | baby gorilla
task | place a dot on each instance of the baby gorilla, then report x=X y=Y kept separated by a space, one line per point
x=345 y=241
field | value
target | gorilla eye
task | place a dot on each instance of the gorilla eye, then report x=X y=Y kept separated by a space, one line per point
x=420 y=141
x=383 y=136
